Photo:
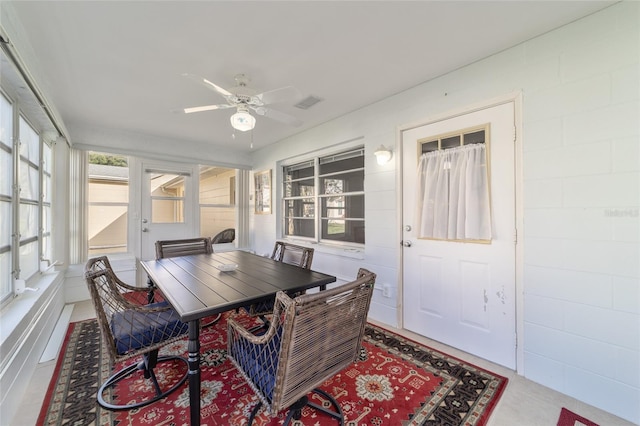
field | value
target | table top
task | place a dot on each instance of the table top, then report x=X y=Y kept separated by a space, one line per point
x=196 y=288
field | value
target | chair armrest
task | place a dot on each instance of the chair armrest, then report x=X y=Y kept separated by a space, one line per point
x=127 y=286
x=281 y=303
x=234 y=326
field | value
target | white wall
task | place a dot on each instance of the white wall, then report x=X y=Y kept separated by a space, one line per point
x=27 y=324
x=580 y=87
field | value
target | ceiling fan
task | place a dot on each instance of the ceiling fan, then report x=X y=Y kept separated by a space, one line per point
x=245 y=100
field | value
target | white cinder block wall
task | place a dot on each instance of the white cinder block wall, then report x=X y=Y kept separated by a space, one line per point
x=581 y=180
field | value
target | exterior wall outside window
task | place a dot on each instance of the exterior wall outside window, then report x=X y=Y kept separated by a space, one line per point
x=217 y=200
x=108 y=206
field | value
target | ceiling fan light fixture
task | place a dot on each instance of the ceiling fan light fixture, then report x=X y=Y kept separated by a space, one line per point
x=242 y=120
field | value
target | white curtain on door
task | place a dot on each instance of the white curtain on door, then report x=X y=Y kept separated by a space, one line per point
x=452 y=197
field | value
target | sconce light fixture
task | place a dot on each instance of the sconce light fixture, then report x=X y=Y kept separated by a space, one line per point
x=242 y=120
x=383 y=155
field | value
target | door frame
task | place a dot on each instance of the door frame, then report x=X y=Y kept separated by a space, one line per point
x=516 y=98
x=192 y=214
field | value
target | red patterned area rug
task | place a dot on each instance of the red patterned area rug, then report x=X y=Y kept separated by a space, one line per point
x=569 y=418
x=395 y=382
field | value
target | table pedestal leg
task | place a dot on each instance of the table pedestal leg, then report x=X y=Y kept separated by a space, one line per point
x=194 y=371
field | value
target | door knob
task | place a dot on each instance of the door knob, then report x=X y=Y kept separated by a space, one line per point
x=144 y=221
x=406 y=243
x=407 y=228
x=145 y=229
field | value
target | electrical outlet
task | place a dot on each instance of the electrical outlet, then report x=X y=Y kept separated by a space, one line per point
x=386 y=290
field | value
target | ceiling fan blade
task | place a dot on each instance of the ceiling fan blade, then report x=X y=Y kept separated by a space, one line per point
x=205 y=108
x=208 y=84
x=278 y=116
x=283 y=94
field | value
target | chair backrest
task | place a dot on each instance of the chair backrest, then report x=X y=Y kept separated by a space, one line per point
x=186 y=247
x=311 y=338
x=292 y=254
x=128 y=327
x=226 y=236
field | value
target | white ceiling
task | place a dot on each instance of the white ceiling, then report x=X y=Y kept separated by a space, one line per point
x=117 y=65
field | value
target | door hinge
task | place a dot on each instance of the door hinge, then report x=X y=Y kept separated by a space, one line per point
x=514 y=134
x=515 y=236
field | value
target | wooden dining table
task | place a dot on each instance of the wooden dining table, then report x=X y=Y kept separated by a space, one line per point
x=200 y=285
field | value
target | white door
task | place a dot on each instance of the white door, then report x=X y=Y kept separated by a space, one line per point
x=462 y=293
x=168 y=205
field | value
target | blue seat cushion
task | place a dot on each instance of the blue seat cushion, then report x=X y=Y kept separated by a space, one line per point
x=133 y=330
x=260 y=362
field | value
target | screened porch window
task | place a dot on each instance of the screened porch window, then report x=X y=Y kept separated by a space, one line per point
x=324 y=198
x=108 y=203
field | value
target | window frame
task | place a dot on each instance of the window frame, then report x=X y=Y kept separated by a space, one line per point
x=35 y=168
x=320 y=198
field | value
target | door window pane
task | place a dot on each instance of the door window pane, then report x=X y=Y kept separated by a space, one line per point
x=167 y=211
x=450 y=142
x=167 y=198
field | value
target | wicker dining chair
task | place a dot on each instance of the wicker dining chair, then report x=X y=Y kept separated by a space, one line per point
x=310 y=339
x=185 y=247
x=291 y=254
x=131 y=329
x=226 y=236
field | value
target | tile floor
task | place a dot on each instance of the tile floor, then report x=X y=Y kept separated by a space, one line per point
x=524 y=402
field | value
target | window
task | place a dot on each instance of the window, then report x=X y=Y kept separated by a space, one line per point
x=217 y=200
x=25 y=198
x=6 y=196
x=46 y=203
x=108 y=202
x=453 y=194
x=332 y=186
x=443 y=142
x=29 y=184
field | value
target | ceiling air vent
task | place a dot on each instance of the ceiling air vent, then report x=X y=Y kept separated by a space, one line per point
x=308 y=102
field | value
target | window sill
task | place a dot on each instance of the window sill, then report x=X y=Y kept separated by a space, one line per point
x=22 y=306
x=335 y=250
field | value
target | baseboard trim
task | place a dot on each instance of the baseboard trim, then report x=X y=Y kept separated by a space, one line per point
x=57 y=337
